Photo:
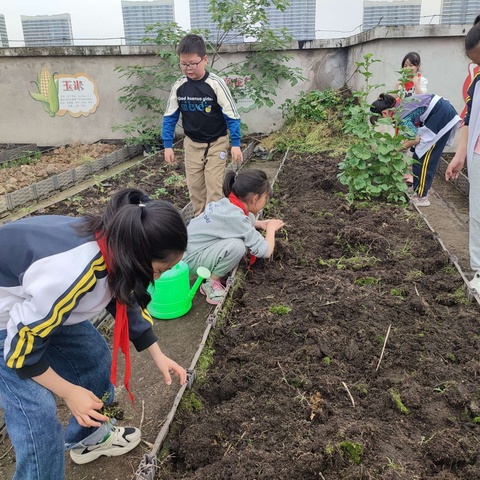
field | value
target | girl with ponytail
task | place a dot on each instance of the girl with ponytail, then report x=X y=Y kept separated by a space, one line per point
x=56 y=273
x=429 y=123
x=228 y=229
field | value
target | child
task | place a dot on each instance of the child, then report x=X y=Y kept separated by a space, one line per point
x=469 y=149
x=417 y=84
x=56 y=273
x=220 y=237
x=438 y=122
x=207 y=110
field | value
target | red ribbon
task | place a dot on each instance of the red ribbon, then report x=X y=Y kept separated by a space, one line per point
x=120 y=329
x=238 y=203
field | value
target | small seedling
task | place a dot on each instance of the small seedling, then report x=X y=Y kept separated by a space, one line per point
x=353 y=451
x=279 y=309
x=397 y=292
x=398 y=401
x=366 y=281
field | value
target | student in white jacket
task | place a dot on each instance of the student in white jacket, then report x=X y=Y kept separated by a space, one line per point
x=56 y=273
x=469 y=148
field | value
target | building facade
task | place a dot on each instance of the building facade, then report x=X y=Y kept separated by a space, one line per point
x=3 y=32
x=47 y=30
x=459 y=12
x=390 y=13
x=200 y=19
x=138 y=15
x=298 y=19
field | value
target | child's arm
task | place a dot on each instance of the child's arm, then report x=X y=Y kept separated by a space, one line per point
x=271 y=228
x=411 y=143
x=420 y=84
x=170 y=120
x=458 y=161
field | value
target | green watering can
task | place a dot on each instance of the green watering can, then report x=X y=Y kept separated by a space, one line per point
x=171 y=293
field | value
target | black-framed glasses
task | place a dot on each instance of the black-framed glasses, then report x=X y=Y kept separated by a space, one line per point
x=191 y=64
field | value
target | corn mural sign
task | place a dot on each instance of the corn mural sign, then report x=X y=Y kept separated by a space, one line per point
x=59 y=94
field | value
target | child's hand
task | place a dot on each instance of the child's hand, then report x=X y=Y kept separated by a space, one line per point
x=454 y=168
x=237 y=155
x=84 y=405
x=166 y=365
x=274 y=224
x=169 y=156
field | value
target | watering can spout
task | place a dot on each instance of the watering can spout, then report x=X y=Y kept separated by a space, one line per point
x=203 y=273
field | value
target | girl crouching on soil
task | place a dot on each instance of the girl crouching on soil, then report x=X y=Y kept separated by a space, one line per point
x=56 y=273
x=220 y=236
x=429 y=122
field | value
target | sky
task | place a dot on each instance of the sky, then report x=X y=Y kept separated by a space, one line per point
x=103 y=18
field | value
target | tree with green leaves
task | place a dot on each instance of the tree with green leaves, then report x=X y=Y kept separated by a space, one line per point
x=265 y=64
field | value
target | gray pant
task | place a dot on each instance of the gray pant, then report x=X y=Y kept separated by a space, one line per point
x=220 y=258
x=474 y=211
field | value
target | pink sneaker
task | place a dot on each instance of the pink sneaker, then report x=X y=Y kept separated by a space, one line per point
x=213 y=290
x=420 y=201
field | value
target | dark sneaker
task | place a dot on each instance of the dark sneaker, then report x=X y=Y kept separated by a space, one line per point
x=213 y=290
x=118 y=441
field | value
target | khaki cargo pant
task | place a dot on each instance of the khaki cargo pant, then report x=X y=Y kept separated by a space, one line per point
x=205 y=169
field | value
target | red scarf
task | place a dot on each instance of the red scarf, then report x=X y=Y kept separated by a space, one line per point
x=120 y=328
x=238 y=203
x=409 y=85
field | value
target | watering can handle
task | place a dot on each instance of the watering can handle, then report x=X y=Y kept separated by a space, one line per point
x=202 y=273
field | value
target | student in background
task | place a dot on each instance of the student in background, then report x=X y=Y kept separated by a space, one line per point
x=417 y=83
x=469 y=149
x=438 y=122
x=208 y=110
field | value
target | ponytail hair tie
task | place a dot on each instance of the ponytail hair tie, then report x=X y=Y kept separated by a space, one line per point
x=141 y=205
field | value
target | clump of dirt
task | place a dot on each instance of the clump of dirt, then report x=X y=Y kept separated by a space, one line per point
x=354 y=354
x=35 y=167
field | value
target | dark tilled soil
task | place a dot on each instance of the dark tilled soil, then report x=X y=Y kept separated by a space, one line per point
x=299 y=389
x=159 y=180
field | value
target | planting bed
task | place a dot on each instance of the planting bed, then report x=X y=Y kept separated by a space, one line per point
x=298 y=388
x=159 y=180
x=16 y=175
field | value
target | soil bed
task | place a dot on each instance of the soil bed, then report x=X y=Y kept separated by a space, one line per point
x=18 y=174
x=294 y=391
x=152 y=175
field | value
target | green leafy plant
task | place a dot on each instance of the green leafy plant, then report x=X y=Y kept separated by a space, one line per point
x=255 y=77
x=279 y=309
x=352 y=451
x=374 y=164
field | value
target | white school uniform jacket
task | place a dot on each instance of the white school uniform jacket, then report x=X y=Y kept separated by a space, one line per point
x=51 y=277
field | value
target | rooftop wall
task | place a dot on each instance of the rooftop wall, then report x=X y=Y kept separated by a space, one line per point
x=325 y=63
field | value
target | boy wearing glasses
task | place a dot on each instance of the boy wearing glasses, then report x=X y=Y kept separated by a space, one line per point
x=207 y=110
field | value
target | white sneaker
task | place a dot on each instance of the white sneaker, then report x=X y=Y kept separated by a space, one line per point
x=118 y=441
x=420 y=201
x=475 y=282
